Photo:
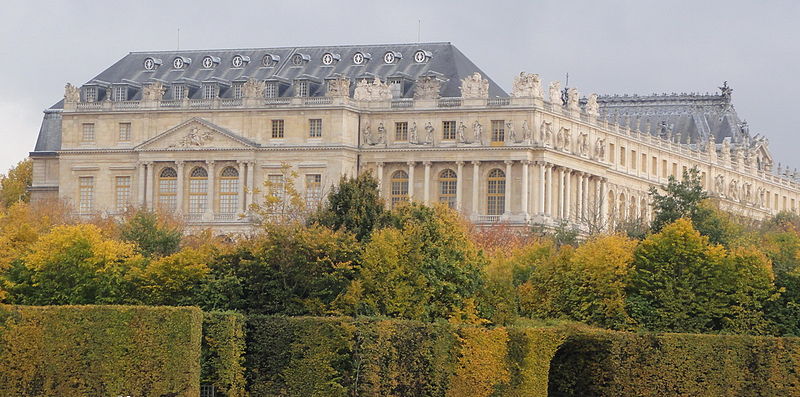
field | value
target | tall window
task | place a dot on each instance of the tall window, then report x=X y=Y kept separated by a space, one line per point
x=498 y=131
x=229 y=191
x=301 y=88
x=271 y=90
x=120 y=93
x=86 y=191
x=315 y=128
x=622 y=156
x=168 y=189
x=278 y=188
x=237 y=90
x=496 y=193
x=448 y=130
x=448 y=183
x=178 y=92
x=313 y=189
x=90 y=94
x=198 y=191
x=401 y=131
x=124 y=132
x=399 y=187
x=122 y=187
x=277 y=128
x=209 y=91
x=88 y=132
x=396 y=87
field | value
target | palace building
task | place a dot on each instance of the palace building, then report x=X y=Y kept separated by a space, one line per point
x=197 y=132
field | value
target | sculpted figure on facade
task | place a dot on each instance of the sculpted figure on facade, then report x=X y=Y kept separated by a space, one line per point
x=748 y=192
x=429 y=133
x=733 y=190
x=338 y=87
x=546 y=133
x=461 y=134
x=412 y=133
x=72 y=94
x=725 y=154
x=374 y=91
x=760 y=196
x=474 y=87
x=600 y=149
x=583 y=144
x=555 y=94
x=573 y=102
x=512 y=135
x=527 y=85
x=381 y=133
x=153 y=92
x=719 y=184
x=366 y=132
x=427 y=87
x=194 y=139
x=477 y=132
x=526 y=131
x=564 y=139
x=592 y=107
x=253 y=89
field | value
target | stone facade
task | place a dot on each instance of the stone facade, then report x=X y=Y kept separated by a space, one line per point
x=521 y=159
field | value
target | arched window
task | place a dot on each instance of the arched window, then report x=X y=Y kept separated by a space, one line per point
x=229 y=191
x=611 y=208
x=633 y=210
x=448 y=182
x=643 y=210
x=167 y=189
x=621 y=210
x=496 y=192
x=399 y=187
x=198 y=191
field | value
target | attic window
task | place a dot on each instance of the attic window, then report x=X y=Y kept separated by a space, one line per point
x=239 y=61
x=299 y=59
x=391 y=57
x=270 y=60
x=396 y=86
x=237 y=90
x=422 y=56
x=181 y=62
x=360 y=58
x=178 y=92
x=151 y=63
x=210 y=90
x=209 y=62
x=271 y=90
x=90 y=94
x=120 y=93
x=330 y=59
x=301 y=88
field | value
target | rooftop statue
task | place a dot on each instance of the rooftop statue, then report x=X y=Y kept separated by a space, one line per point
x=474 y=87
x=153 y=92
x=374 y=91
x=72 y=93
x=527 y=85
x=555 y=93
x=338 y=87
x=592 y=107
x=572 y=99
x=427 y=87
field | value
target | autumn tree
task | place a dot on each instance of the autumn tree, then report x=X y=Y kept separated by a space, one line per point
x=354 y=205
x=282 y=202
x=14 y=186
x=154 y=233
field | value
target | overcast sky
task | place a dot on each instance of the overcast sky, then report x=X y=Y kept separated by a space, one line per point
x=606 y=46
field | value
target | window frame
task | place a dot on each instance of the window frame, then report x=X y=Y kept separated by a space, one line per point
x=122 y=192
x=85 y=194
x=398 y=188
x=278 y=129
x=498 y=132
x=449 y=130
x=168 y=189
x=496 y=192
x=401 y=131
x=87 y=133
x=448 y=187
x=315 y=131
x=228 y=191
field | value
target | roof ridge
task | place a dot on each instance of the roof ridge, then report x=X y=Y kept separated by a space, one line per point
x=290 y=47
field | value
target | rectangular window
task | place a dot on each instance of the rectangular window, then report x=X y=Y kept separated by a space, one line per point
x=448 y=130
x=86 y=191
x=611 y=153
x=88 y=132
x=168 y=190
x=277 y=128
x=663 y=168
x=90 y=94
x=313 y=189
x=178 y=92
x=228 y=195
x=633 y=160
x=209 y=91
x=315 y=128
x=122 y=187
x=124 y=132
x=237 y=90
x=644 y=162
x=198 y=193
x=675 y=170
x=498 y=131
x=301 y=88
x=271 y=90
x=622 y=156
x=120 y=93
x=277 y=187
x=654 y=169
x=448 y=183
x=401 y=131
x=396 y=87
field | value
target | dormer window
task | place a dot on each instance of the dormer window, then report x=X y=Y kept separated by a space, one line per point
x=210 y=90
x=119 y=93
x=90 y=94
x=209 y=62
x=329 y=59
x=271 y=89
x=301 y=88
x=270 y=60
x=237 y=90
x=178 y=92
x=396 y=87
x=300 y=59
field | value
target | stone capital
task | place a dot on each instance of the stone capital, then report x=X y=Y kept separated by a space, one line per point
x=411 y=163
x=427 y=163
x=460 y=163
x=509 y=162
x=476 y=163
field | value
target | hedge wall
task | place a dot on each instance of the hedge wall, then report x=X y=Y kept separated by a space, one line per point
x=223 y=352
x=99 y=351
x=606 y=363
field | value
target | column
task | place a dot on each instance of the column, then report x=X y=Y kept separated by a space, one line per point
x=603 y=201
x=240 y=186
x=179 y=187
x=379 y=177
x=542 y=186
x=562 y=174
x=209 y=213
x=579 y=198
x=549 y=197
x=567 y=193
x=426 y=184
x=251 y=168
x=141 y=184
x=149 y=184
x=507 y=192
x=476 y=176
x=524 y=199
x=459 y=182
x=411 y=165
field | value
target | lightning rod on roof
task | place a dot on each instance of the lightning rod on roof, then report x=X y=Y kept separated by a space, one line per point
x=179 y=38
x=419 y=30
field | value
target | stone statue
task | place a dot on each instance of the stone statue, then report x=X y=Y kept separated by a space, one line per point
x=427 y=87
x=726 y=149
x=374 y=91
x=527 y=85
x=194 y=139
x=748 y=192
x=567 y=139
x=526 y=131
x=719 y=184
x=583 y=144
x=253 y=89
x=474 y=87
x=546 y=133
x=366 y=131
x=592 y=108
x=573 y=102
x=460 y=135
x=733 y=190
x=72 y=94
x=338 y=87
x=381 y=133
x=512 y=135
x=412 y=133
x=761 y=194
x=429 y=133
x=600 y=149
x=153 y=92
x=555 y=94
x=477 y=132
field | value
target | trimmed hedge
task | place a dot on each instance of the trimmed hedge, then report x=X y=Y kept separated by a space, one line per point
x=99 y=351
x=223 y=353
x=608 y=363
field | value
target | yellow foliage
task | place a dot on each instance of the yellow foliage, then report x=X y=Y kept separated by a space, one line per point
x=56 y=245
x=481 y=366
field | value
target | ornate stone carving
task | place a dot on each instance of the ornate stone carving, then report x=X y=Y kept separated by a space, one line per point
x=374 y=91
x=592 y=108
x=194 y=139
x=733 y=190
x=366 y=132
x=460 y=135
x=526 y=131
x=153 y=92
x=427 y=87
x=338 y=87
x=583 y=144
x=564 y=139
x=600 y=149
x=573 y=102
x=719 y=184
x=760 y=196
x=555 y=94
x=429 y=133
x=512 y=135
x=546 y=133
x=72 y=94
x=748 y=192
x=477 y=132
x=527 y=85
x=381 y=133
x=725 y=154
x=474 y=87
x=412 y=133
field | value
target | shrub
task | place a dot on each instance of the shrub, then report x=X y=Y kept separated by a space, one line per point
x=223 y=352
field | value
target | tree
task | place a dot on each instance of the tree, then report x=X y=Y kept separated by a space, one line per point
x=354 y=205
x=14 y=186
x=177 y=279
x=282 y=203
x=154 y=233
x=681 y=199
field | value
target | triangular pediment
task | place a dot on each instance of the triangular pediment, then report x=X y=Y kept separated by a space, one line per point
x=196 y=134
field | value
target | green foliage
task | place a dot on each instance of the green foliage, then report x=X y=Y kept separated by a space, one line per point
x=223 y=352
x=175 y=280
x=481 y=366
x=355 y=206
x=681 y=199
x=153 y=233
x=14 y=186
x=99 y=351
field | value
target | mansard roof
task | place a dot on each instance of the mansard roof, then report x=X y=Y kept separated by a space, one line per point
x=442 y=58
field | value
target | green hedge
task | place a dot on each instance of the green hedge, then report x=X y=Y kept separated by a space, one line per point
x=223 y=352
x=99 y=351
x=607 y=363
